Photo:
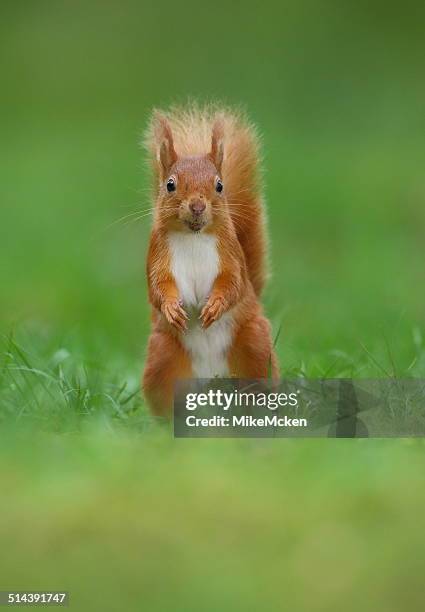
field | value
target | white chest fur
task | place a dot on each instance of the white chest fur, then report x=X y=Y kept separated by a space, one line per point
x=195 y=266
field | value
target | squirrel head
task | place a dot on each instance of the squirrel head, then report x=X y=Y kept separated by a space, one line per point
x=191 y=192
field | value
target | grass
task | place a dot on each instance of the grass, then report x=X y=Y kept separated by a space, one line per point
x=59 y=390
x=124 y=520
x=98 y=499
x=55 y=387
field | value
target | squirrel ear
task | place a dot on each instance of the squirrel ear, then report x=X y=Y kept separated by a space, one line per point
x=216 y=153
x=166 y=154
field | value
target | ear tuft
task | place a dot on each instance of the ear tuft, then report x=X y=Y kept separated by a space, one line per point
x=217 y=150
x=167 y=155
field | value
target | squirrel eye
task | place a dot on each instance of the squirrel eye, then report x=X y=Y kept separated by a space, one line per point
x=219 y=186
x=171 y=185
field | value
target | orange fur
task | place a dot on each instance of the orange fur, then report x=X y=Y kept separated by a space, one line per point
x=196 y=149
x=191 y=129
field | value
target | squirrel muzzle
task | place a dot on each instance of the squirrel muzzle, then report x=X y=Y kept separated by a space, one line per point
x=197 y=213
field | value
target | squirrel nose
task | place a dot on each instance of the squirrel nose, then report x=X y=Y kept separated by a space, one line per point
x=197 y=207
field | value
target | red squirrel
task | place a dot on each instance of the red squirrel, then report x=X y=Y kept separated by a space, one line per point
x=207 y=253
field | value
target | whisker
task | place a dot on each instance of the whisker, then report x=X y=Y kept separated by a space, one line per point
x=239 y=215
x=121 y=219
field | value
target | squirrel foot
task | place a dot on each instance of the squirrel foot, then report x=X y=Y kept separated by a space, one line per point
x=213 y=310
x=175 y=314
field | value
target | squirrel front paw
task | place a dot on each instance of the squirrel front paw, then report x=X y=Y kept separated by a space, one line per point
x=175 y=314
x=213 y=310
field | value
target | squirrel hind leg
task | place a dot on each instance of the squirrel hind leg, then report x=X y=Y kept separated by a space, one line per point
x=252 y=354
x=166 y=362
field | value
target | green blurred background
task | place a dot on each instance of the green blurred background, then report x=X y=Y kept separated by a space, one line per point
x=117 y=512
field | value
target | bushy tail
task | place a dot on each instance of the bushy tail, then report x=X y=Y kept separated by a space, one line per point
x=191 y=129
